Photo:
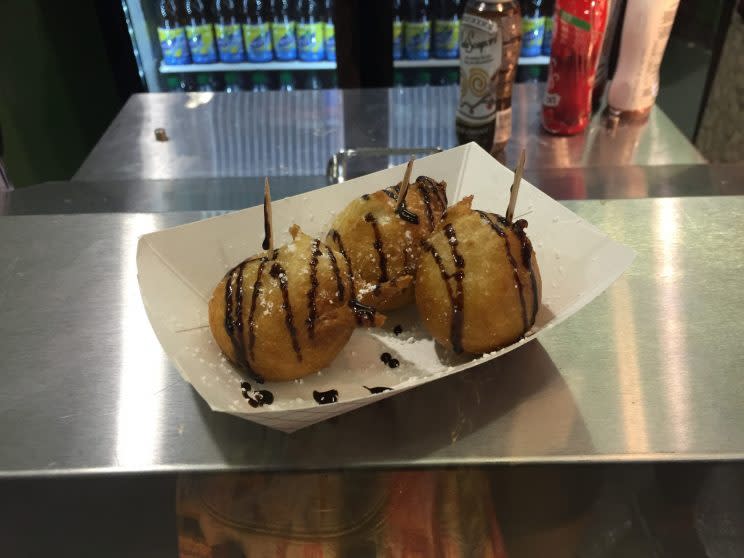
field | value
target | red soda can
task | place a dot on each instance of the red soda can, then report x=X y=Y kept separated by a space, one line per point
x=577 y=41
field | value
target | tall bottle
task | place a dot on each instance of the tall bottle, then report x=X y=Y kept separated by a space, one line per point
x=646 y=30
x=227 y=28
x=603 y=66
x=417 y=30
x=533 y=27
x=310 y=45
x=171 y=33
x=397 y=30
x=200 y=33
x=446 y=29
x=257 y=31
x=579 y=29
x=490 y=39
x=329 y=30
x=283 y=30
x=547 y=9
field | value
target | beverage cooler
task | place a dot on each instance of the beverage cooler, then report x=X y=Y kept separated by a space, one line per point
x=233 y=45
x=427 y=36
x=257 y=45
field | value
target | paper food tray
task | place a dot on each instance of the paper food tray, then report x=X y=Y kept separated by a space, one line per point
x=179 y=267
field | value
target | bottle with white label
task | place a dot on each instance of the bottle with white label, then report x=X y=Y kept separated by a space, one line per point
x=490 y=40
x=646 y=30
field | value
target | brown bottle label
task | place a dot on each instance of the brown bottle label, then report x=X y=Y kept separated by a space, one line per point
x=480 y=60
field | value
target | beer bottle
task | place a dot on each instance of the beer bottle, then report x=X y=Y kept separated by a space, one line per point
x=397 y=30
x=228 y=30
x=310 y=31
x=490 y=40
x=171 y=34
x=283 y=31
x=446 y=29
x=200 y=33
x=417 y=30
x=256 y=30
x=329 y=31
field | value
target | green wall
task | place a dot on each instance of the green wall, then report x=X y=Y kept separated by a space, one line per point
x=57 y=93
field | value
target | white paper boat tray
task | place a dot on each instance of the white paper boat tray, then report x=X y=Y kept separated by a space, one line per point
x=179 y=267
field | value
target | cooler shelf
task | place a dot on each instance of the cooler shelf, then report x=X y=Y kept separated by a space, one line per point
x=274 y=65
x=455 y=62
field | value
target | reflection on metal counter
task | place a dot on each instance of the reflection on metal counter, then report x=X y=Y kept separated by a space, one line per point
x=415 y=513
x=295 y=133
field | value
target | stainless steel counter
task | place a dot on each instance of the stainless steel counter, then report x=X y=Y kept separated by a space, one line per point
x=294 y=133
x=220 y=194
x=647 y=371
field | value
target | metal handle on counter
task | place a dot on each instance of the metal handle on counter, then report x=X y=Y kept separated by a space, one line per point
x=336 y=170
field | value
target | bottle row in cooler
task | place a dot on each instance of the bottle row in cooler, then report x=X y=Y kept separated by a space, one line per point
x=231 y=82
x=194 y=31
x=424 y=29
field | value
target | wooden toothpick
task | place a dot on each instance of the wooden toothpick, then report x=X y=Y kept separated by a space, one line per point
x=268 y=242
x=404 y=184
x=515 y=188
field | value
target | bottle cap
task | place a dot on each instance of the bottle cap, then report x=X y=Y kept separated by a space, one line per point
x=231 y=78
x=259 y=78
x=202 y=79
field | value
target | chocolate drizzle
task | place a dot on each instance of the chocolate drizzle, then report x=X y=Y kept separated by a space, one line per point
x=518 y=228
x=362 y=311
x=312 y=294
x=379 y=389
x=337 y=273
x=252 y=312
x=457 y=297
x=234 y=319
x=277 y=272
x=378 y=245
x=429 y=185
x=325 y=397
x=334 y=234
x=407 y=215
x=498 y=227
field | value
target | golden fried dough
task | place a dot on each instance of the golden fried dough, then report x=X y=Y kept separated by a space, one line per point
x=287 y=313
x=383 y=246
x=478 y=285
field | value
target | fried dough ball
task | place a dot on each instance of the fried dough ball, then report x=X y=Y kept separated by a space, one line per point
x=287 y=313
x=383 y=246
x=478 y=285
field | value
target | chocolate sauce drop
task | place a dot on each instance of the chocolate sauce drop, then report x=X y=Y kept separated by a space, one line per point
x=277 y=272
x=385 y=357
x=264 y=397
x=393 y=363
x=397 y=330
x=379 y=389
x=325 y=397
x=245 y=386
